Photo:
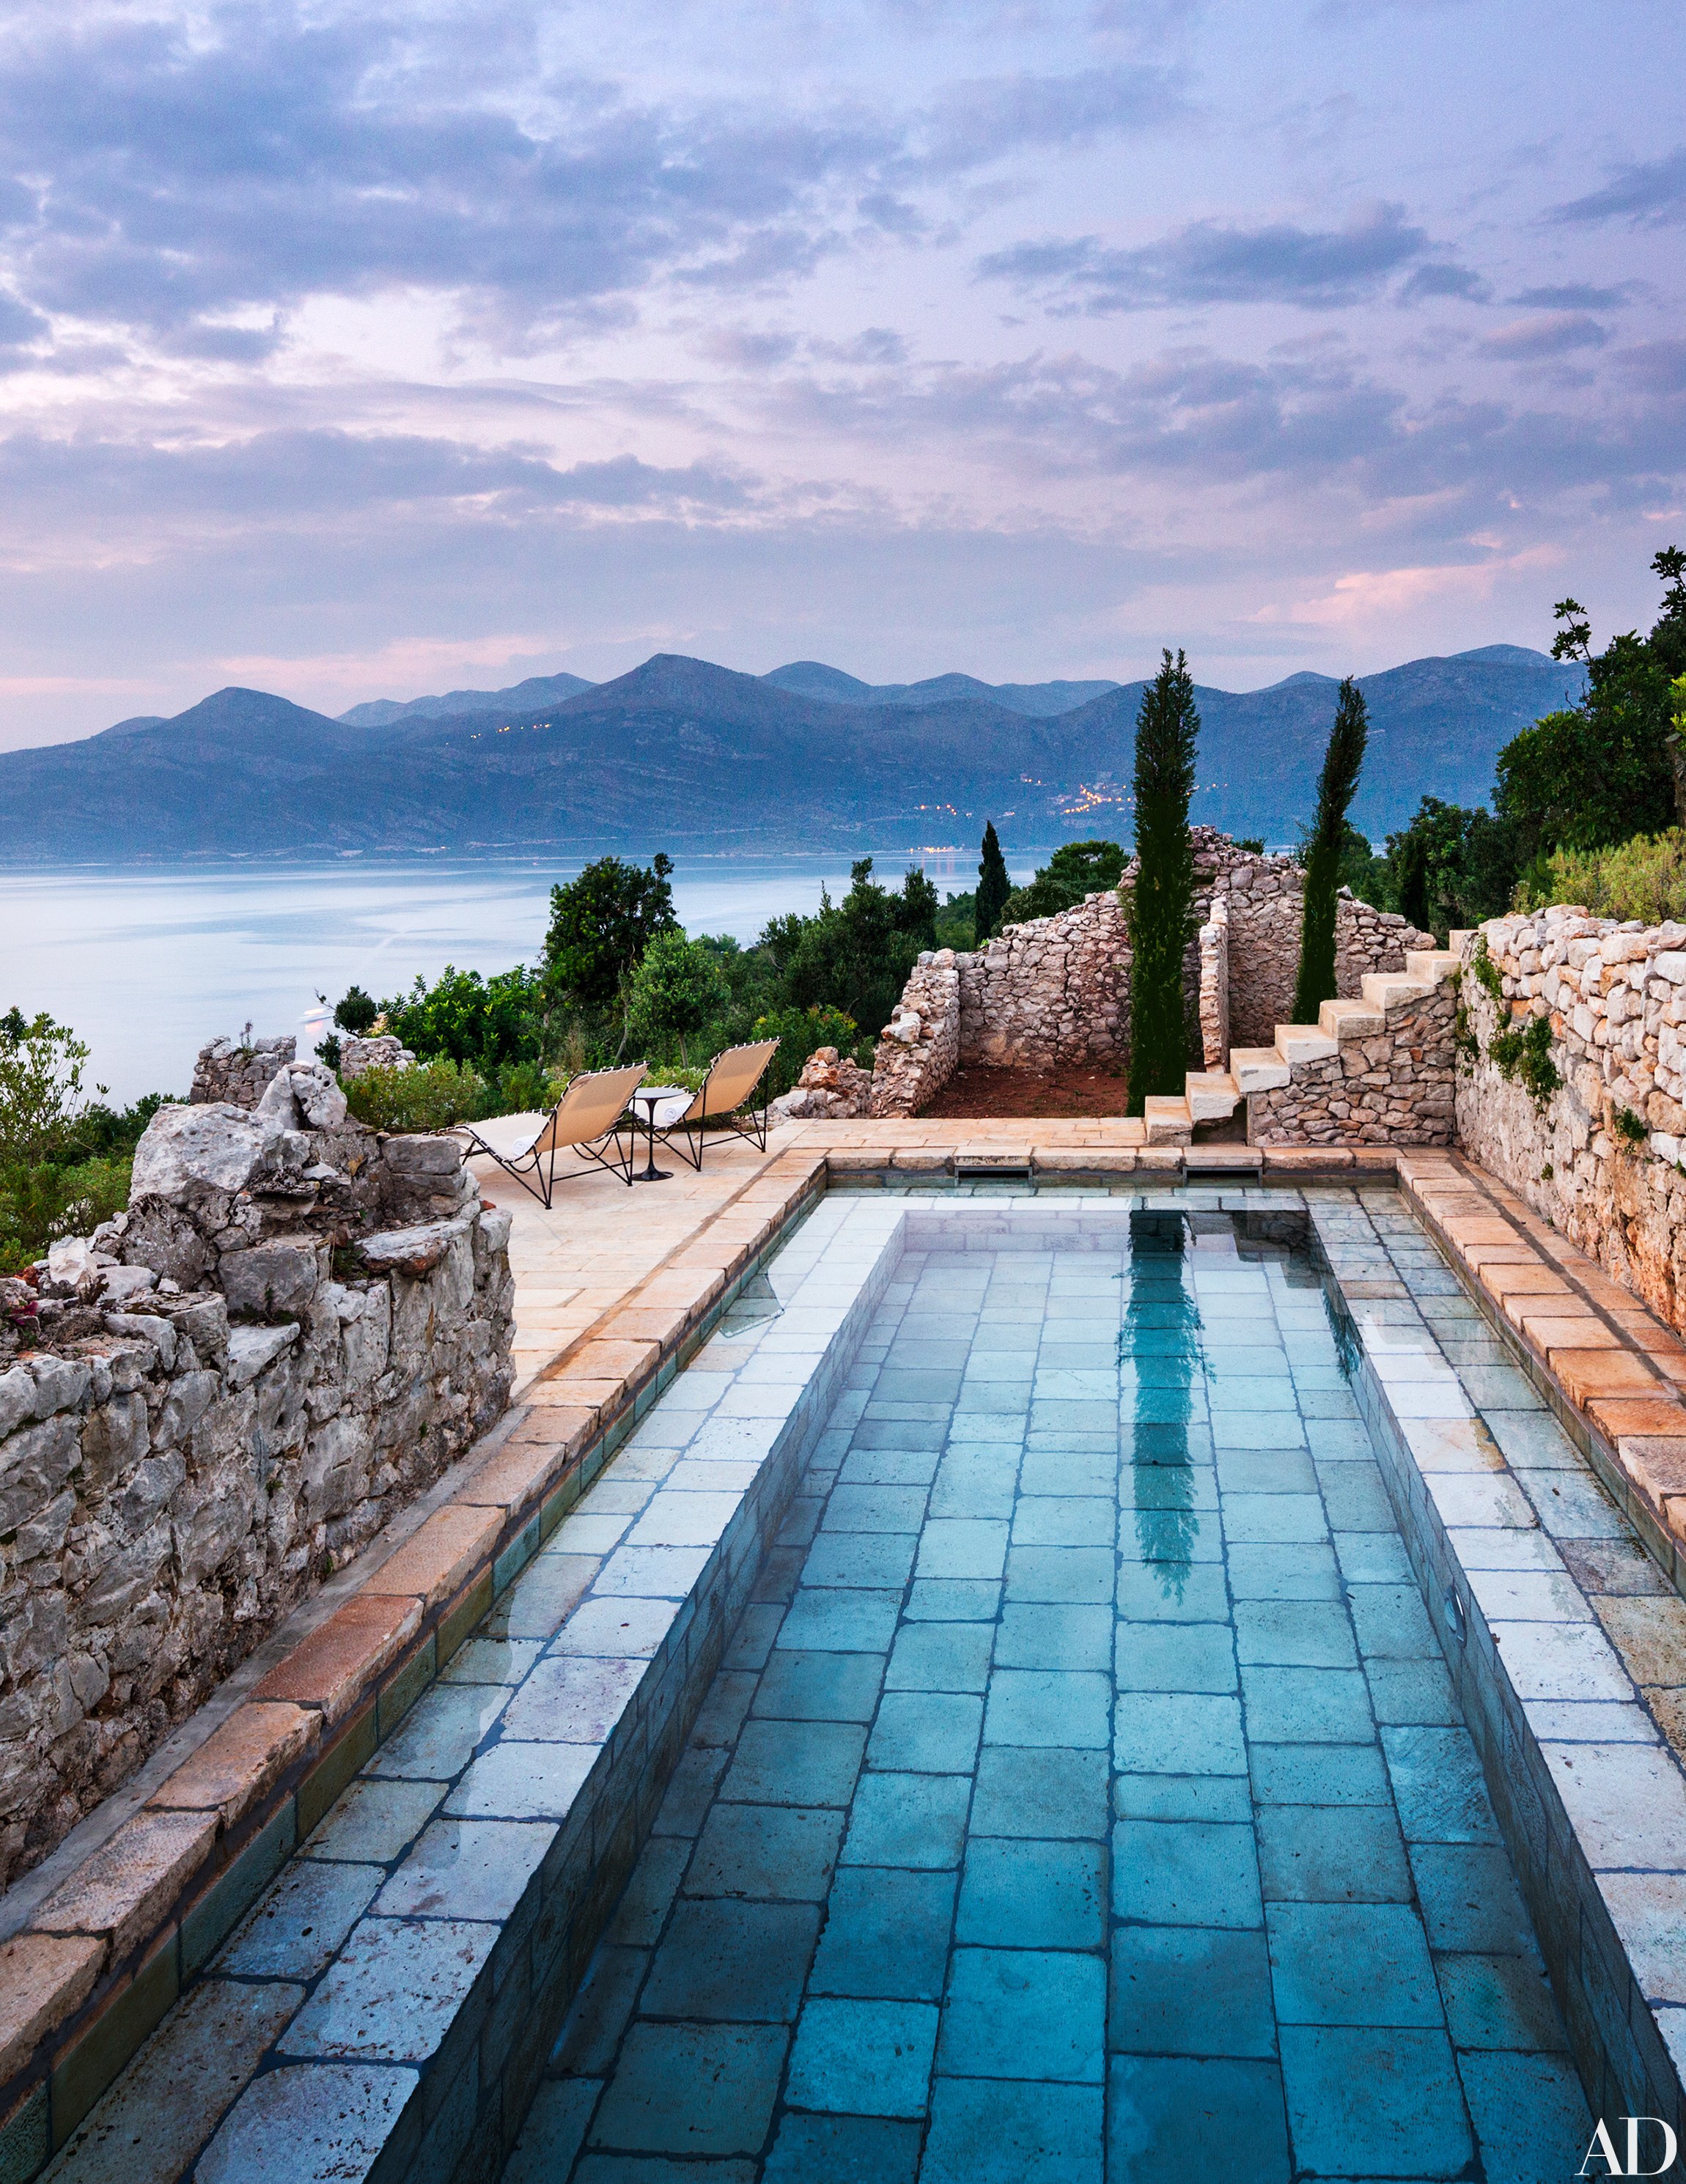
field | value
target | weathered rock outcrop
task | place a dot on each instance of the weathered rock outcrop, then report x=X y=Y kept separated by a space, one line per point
x=213 y=1402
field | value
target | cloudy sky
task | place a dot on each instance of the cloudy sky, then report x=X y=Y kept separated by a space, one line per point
x=357 y=351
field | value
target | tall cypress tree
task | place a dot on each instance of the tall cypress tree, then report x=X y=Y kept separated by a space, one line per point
x=1342 y=762
x=994 y=886
x=1162 y=902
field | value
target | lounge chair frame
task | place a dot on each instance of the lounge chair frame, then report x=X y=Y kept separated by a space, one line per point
x=751 y=1125
x=535 y=1169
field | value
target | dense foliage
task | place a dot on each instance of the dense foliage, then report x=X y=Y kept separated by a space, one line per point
x=1162 y=899
x=1643 y=879
x=1075 y=870
x=1601 y=772
x=64 y=1160
x=1342 y=762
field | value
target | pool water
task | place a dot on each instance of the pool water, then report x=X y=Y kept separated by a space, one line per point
x=1084 y=1796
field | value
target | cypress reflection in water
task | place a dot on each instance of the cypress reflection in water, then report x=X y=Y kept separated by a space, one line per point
x=1160 y=1344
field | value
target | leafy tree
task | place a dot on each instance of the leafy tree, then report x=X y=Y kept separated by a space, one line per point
x=1450 y=867
x=994 y=886
x=42 y=1064
x=1342 y=762
x=1601 y=772
x=957 y=921
x=601 y=925
x=356 y=1011
x=856 y=954
x=1162 y=900
x=676 y=989
x=1076 y=869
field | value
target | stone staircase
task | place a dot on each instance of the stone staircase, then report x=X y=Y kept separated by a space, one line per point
x=1212 y=1096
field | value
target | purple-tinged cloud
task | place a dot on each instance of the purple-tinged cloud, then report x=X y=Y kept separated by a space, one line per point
x=1650 y=194
x=1218 y=262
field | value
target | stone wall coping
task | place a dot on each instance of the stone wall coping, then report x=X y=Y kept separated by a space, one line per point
x=1612 y=1371
x=187 y=1842
x=1568 y=1702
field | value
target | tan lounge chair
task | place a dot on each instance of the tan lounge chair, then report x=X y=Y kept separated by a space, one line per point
x=585 y=1120
x=732 y=1077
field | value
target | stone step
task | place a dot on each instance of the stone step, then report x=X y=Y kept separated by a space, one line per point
x=1257 y=1069
x=1168 y=1120
x=1432 y=963
x=1454 y=940
x=1349 y=1019
x=1383 y=989
x=1211 y=1095
x=1305 y=1042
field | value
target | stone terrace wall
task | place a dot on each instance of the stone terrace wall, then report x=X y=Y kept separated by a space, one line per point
x=1615 y=996
x=1393 y=1087
x=215 y=1402
x=238 y=1071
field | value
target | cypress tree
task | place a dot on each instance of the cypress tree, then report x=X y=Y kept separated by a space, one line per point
x=1341 y=764
x=994 y=886
x=1162 y=901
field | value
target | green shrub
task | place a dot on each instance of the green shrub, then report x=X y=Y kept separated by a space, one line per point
x=801 y=1033
x=1644 y=878
x=432 y=1096
x=1632 y=1127
x=678 y=988
x=39 y=1202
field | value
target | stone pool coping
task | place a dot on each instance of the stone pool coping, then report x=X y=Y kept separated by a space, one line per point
x=1589 y=1795
x=110 y=1930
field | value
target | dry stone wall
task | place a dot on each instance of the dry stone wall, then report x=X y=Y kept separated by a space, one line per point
x=211 y=1404
x=1054 y=992
x=1391 y=1087
x=238 y=1071
x=1601 y=1158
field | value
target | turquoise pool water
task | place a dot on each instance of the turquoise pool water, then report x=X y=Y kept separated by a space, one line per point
x=1084 y=1796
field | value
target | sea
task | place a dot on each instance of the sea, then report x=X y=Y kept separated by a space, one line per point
x=147 y=964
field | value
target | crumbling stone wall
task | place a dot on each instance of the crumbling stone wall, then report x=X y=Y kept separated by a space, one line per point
x=383 y=1051
x=1214 y=985
x=1054 y=992
x=919 y=1049
x=238 y=1071
x=211 y=1405
x=1601 y=1157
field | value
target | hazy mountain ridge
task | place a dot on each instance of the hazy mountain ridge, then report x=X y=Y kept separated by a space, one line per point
x=682 y=753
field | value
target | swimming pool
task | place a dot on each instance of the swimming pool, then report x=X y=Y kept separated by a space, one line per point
x=1084 y=1794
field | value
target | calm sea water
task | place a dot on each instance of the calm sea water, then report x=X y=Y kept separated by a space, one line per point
x=149 y=965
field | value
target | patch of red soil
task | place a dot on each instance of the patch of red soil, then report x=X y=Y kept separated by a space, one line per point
x=980 y=1094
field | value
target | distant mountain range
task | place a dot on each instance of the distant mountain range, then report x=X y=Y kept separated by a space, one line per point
x=683 y=755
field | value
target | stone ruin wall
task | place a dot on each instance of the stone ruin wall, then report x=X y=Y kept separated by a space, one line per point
x=239 y=1071
x=1615 y=994
x=212 y=1404
x=1054 y=992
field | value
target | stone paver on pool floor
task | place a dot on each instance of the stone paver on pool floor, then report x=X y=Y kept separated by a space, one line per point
x=1085 y=1796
